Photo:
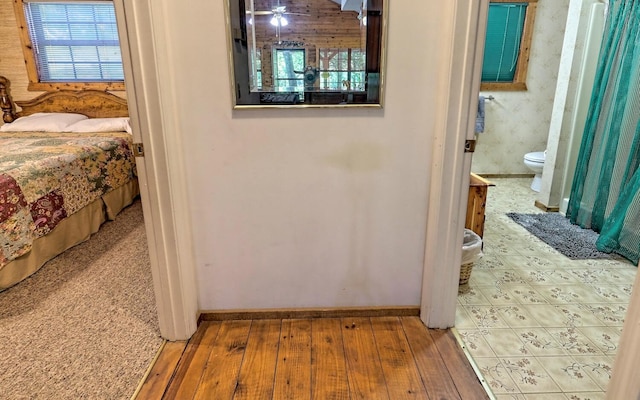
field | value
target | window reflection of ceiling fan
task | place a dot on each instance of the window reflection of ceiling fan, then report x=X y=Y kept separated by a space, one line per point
x=278 y=13
x=278 y=18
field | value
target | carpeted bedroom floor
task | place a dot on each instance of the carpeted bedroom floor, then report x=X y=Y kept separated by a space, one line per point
x=85 y=325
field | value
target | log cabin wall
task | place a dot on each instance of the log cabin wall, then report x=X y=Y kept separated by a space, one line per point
x=12 y=64
x=324 y=26
x=11 y=58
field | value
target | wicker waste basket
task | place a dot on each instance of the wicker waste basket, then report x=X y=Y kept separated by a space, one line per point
x=471 y=252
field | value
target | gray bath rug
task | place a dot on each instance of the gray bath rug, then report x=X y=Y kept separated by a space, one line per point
x=558 y=232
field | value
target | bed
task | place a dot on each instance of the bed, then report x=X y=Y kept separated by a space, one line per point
x=66 y=167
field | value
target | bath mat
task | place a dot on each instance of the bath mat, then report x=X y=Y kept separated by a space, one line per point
x=558 y=232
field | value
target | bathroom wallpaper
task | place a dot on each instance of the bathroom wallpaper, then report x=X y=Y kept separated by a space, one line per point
x=518 y=122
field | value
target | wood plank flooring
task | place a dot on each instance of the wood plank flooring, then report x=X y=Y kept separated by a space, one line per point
x=315 y=358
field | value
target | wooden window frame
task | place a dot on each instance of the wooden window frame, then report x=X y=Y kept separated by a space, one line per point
x=349 y=70
x=519 y=82
x=276 y=78
x=32 y=70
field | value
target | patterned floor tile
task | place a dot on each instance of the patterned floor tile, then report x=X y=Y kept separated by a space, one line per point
x=569 y=374
x=529 y=375
x=470 y=295
x=599 y=368
x=586 y=396
x=505 y=343
x=548 y=315
x=513 y=396
x=474 y=340
x=609 y=264
x=609 y=314
x=617 y=276
x=500 y=248
x=509 y=277
x=563 y=294
x=545 y=396
x=606 y=276
x=535 y=247
x=538 y=324
x=577 y=315
x=517 y=316
x=497 y=295
x=574 y=341
x=605 y=338
x=614 y=293
x=548 y=277
x=496 y=376
x=539 y=342
x=525 y=294
x=487 y=317
x=463 y=319
x=482 y=277
x=535 y=262
x=494 y=262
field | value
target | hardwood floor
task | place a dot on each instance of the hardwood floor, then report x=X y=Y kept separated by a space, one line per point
x=316 y=358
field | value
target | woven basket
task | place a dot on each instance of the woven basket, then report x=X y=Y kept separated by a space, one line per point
x=465 y=273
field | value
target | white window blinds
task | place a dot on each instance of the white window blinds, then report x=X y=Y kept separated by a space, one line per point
x=75 y=41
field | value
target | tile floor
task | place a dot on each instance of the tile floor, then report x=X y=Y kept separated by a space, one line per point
x=537 y=324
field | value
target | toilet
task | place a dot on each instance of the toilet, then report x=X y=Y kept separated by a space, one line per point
x=535 y=162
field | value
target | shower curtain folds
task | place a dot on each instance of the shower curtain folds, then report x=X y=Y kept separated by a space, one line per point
x=605 y=194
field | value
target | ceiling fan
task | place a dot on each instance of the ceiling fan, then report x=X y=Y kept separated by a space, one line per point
x=278 y=13
x=278 y=19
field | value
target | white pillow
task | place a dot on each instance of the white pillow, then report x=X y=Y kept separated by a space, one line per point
x=43 y=122
x=118 y=124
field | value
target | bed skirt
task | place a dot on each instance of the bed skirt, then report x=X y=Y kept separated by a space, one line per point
x=69 y=232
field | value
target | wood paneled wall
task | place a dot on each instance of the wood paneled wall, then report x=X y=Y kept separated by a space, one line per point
x=324 y=25
x=11 y=57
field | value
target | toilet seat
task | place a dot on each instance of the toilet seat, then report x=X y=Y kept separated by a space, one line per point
x=535 y=162
x=536 y=157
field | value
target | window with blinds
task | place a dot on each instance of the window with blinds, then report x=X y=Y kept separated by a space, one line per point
x=75 y=41
x=70 y=44
x=508 y=38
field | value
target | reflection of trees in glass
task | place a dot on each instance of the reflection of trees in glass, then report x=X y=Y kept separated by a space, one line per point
x=255 y=72
x=259 y=67
x=342 y=69
x=287 y=61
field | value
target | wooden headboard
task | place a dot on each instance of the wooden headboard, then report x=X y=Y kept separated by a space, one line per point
x=92 y=103
x=5 y=101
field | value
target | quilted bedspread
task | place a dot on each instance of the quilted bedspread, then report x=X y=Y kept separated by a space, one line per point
x=45 y=177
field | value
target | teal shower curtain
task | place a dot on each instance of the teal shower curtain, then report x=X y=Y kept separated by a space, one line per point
x=605 y=195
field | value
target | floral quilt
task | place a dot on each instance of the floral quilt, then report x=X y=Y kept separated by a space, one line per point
x=45 y=177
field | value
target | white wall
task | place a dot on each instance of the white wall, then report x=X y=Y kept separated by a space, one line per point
x=518 y=122
x=305 y=208
x=573 y=94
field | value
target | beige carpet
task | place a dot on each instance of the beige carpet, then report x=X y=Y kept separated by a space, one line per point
x=85 y=325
